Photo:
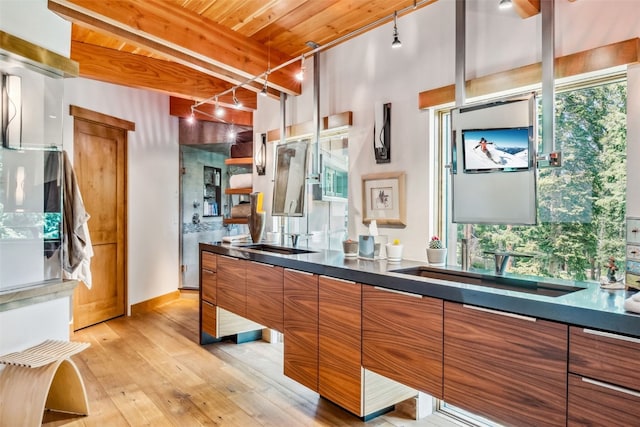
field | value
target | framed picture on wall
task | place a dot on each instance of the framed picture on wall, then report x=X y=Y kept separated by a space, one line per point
x=383 y=198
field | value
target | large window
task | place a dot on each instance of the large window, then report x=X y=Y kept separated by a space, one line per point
x=581 y=206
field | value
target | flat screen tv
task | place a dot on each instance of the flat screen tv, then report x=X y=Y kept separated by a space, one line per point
x=498 y=149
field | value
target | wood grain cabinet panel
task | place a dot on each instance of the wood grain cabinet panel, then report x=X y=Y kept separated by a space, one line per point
x=209 y=261
x=596 y=403
x=605 y=356
x=402 y=338
x=339 y=325
x=231 y=285
x=301 y=327
x=208 y=285
x=265 y=295
x=508 y=368
x=604 y=379
x=209 y=318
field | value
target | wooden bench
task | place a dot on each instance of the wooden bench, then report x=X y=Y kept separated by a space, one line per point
x=38 y=379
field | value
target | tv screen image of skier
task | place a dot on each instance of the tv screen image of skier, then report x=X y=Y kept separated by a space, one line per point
x=488 y=150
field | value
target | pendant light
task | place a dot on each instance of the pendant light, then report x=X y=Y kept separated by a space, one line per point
x=396 y=43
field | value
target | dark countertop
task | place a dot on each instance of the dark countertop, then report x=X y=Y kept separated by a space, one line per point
x=591 y=307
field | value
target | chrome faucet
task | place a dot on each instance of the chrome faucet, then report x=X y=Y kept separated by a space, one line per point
x=502 y=258
x=501 y=262
x=464 y=249
x=297 y=236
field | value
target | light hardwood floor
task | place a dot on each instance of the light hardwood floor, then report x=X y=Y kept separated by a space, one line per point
x=149 y=369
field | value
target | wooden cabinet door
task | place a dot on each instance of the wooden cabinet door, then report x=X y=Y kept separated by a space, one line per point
x=511 y=369
x=597 y=403
x=339 y=325
x=301 y=327
x=402 y=337
x=232 y=288
x=265 y=295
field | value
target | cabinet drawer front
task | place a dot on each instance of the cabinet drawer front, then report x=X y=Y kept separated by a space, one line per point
x=606 y=357
x=209 y=261
x=265 y=295
x=209 y=317
x=208 y=286
x=594 y=403
x=301 y=328
x=393 y=321
x=509 y=369
x=231 y=292
x=339 y=342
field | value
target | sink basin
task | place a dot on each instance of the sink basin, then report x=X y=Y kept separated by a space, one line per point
x=283 y=250
x=497 y=282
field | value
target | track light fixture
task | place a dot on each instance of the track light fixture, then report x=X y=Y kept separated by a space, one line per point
x=300 y=75
x=219 y=111
x=192 y=117
x=265 y=88
x=505 y=4
x=236 y=103
x=231 y=134
x=396 y=43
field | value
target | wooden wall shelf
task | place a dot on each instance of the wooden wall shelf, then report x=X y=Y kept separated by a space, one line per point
x=246 y=190
x=226 y=221
x=239 y=161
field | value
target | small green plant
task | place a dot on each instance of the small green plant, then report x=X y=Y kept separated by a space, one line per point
x=435 y=243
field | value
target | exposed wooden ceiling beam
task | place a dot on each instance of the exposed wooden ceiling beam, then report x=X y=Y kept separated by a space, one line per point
x=127 y=69
x=599 y=58
x=183 y=37
x=182 y=108
x=526 y=8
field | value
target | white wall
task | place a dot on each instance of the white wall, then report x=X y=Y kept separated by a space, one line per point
x=32 y=21
x=153 y=180
x=365 y=71
x=27 y=326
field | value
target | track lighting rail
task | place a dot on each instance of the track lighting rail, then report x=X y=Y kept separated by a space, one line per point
x=302 y=57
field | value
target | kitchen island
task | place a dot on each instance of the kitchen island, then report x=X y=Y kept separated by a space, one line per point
x=553 y=353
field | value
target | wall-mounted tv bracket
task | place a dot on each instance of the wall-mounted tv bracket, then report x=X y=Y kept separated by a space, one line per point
x=551 y=160
x=382 y=142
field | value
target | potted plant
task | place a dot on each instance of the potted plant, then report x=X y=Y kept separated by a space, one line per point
x=436 y=252
x=394 y=251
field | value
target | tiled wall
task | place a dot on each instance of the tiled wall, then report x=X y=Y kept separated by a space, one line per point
x=209 y=228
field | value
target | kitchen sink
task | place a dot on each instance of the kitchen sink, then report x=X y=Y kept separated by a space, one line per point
x=530 y=286
x=283 y=250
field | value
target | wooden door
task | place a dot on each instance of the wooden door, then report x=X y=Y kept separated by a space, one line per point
x=100 y=166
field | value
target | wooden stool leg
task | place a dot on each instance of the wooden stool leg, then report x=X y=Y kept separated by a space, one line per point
x=23 y=393
x=67 y=392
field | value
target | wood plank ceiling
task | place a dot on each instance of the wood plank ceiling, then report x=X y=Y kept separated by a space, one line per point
x=195 y=49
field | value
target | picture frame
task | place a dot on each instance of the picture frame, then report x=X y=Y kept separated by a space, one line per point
x=383 y=198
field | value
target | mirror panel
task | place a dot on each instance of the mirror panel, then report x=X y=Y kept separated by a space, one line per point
x=290 y=178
